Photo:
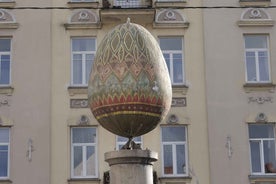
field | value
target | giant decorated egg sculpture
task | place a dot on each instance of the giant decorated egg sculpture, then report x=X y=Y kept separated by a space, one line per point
x=129 y=90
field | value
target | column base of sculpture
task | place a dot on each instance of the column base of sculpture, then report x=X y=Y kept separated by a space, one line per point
x=131 y=166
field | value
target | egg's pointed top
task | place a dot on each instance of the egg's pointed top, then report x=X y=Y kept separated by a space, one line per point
x=128 y=21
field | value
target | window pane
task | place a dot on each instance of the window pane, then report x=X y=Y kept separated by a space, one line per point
x=180 y=157
x=263 y=66
x=251 y=66
x=124 y=139
x=77 y=69
x=5 y=69
x=84 y=44
x=167 y=59
x=89 y=61
x=255 y=156
x=173 y=134
x=269 y=153
x=261 y=131
x=171 y=43
x=121 y=141
x=255 y=41
x=90 y=161
x=84 y=135
x=177 y=68
x=78 y=162
x=5 y=45
x=168 y=159
x=3 y=161
x=4 y=135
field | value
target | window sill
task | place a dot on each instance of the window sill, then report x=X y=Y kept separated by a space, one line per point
x=250 y=87
x=255 y=2
x=259 y=179
x=6 y=90
x=93 y=4
x=75 y=26
x=7 y=4
x=84 y=181
x=165 y=4
x=77 y=90
x=5 y=181
x=182 y=89
x=175 y=180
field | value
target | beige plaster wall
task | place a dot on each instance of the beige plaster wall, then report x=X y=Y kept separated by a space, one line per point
x=28 y=111
x=228 y=107
x=194 y=114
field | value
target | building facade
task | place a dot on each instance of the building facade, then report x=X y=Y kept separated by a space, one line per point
x=78 y=142
x=25 y=83
x=221 y=126
x=240 y=90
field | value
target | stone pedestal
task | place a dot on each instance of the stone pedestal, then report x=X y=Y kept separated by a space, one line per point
x=131 y=166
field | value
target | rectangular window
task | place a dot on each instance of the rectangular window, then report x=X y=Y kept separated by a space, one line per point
x=262 y=148
x=121 y=141
x=5 y=61
x=257 y=59
x=174 y=151
x=84 y=153
x=172 y=48
x=128 y=3
x=83 y=53
x=4 y=152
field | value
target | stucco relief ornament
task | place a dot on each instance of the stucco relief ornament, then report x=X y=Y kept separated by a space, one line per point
x=129 y=90
x=170 y=15
x=83 y=16
x=2 y=15
x=255 y=13
x=260 y=100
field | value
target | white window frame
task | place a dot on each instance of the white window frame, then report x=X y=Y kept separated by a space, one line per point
x=6 y=53
x=174 y=144
x=8 y=165
x=122 y=143
x=261 y=146
x=83 y=54
x=171 y=62
x=256 y=51
x=84 y=147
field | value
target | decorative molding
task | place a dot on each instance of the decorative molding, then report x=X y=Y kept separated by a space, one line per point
x=175 y=180
x=252 y=3
x=93 y=4
x=84 y=181
x=5 y=181
x=5 y=122
x=172 y=119
x=252 y=87
x=260 y=100
x=78 y=103
x=83 y=19
x=77 y=90
x=181 y=89
x=7 y=20
x=255 y=17
x=83 y=103
x=261 y=118
x=170 y=18
x=172 y=4
x=7 y=4
x=4 y=102
x=179 y=102
x=6 y=90
x=259 y=179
